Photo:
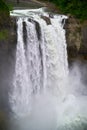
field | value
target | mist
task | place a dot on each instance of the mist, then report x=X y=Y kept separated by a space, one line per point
x=50 y=112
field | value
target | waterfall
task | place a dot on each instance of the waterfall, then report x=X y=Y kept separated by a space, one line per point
x=41 y=58
x=21 y=84
x=45 y=94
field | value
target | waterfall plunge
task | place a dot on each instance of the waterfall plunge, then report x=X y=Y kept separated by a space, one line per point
x=42 y=66
x=40 y=89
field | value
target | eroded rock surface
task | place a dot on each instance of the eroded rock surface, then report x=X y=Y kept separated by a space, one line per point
x=76 y=36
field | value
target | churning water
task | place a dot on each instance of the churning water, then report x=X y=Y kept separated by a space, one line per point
x=45 y=95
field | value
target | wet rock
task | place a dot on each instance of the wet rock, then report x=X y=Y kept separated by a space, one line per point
x=24 y=33
x=47 y=19
x=38 y=29
x=51 y=15
x=37 y=26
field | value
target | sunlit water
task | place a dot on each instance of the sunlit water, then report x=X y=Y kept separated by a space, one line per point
x=45 y=96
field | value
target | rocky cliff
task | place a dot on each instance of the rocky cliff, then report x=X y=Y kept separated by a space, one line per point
x=7 y=55
x=76 y=36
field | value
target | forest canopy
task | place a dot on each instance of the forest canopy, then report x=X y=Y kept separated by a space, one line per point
x=77 y=8
x=3 y=6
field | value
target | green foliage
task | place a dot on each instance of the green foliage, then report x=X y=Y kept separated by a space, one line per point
x=10 y=6
x=77 y=8
x=3 y=6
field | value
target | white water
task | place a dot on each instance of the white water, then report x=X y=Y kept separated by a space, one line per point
x=43 y=97
x=21 y=82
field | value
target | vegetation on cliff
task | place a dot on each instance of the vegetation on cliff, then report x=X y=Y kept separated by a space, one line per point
x=4 y=12
x=3 y=6
x=77 y=8
x=4 y=20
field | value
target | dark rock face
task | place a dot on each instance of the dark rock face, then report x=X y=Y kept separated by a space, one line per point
x=7 y=63
x=76 y=36
x=83 y=48
x=38 y=30
x=24 y=32
x=47 y=19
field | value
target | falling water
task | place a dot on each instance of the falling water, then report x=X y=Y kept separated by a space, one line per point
x=40 y=82
x=20 y=82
